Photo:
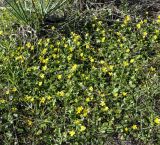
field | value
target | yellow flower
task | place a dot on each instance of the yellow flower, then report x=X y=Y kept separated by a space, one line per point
x=44 y=51
x=7 y=92
x=105 y=109
x=85 y=112
x=29 y=122
x=42 y=100
x=87 y=99
x=124 y=93
x=127 y=50
x=102 y=103
x=126 y=129
x=138 y=26
x=72 y=133
x=104 y=69
x=115 y=94
x=87 y=45
x=132 y=60
x=144 y=34
x=158 y=17
x=41 y=75
x=40 y=83
x=1 y=32
x=2 y=101
x=103 y=39
x=28 y=44
x=82 y=128
x=125 y=63
x=44 y=68
x=91 y=88
x=157 y=120
x=79 y=110
x=59 y=77
x=49 y=97
x=77 y=122
x=61 y=93
x=111 y=67
x=74 y=67
x=14 y=89
x=134 y=127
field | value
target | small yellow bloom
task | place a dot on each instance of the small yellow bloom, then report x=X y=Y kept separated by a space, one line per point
x=42 y=100
x=61 y=93
x=115 y=94
x=103 y=39
x=28 y=44
x=91 y=88
x=72 y=133
x=44 y=51
x=2 y=101
x=102 y=103
x=158 y=17
x=138 y=26
x=157 y=120
x=144 y=34
x=88 y=99
x=14 y=89
x=82 y=128
x=1 y=32
x=105 y=109
x=49 y=97
x=40 y=83
x=77 y=122
x=124 y=93
x=59 y=77
x=126 y=129
x=29 y=122
x=87 y=45
x=7 y=92
x=44 y=68
x=132 y=60
x=79 y=110
x=74 y=67
x=41 y=75
x=125 y=63
x=127 y=50
x=111 y=67
x=134 y=127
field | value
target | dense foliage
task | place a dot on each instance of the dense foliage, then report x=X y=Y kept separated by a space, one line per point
x=97 y=87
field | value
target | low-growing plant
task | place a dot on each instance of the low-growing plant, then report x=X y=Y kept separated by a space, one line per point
x=90 y=88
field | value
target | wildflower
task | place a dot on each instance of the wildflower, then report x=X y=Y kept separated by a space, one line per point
x=72 y=133
x=1 y=32
x=70 y=49
x=127 y=50
x=158 y=17
x=2 y=101
x=125 y=63
x=42 y=100
x=77 y=122
x=157 y=120
x=74 y=67
x=7 y=92
x=29 y=122
x=127 y=19
x=102 y=62
x=44 y=68
x=82 y=128
x=102 y=103
x=111 y=67
x=104 y=69
x=14 y=89
x=134 y=127
x=155 y=37
x=103 y=39
x=87 y=99
x=61 y=93
x=44 y=51
x=41 y=75
x=115 y=94
x=105 y=109
x=91 y=88
x=124 y=93
x=87 y=45
x=85 y=112
x=49 y=97
x=132 y=60
x=59 y=77
x=126 y=129
x=40 y=83
x=28 y=44
x=138 y=26
x=79 y=110
x=144 y=34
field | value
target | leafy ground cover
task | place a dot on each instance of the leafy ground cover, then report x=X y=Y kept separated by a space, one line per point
x=97 y=86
